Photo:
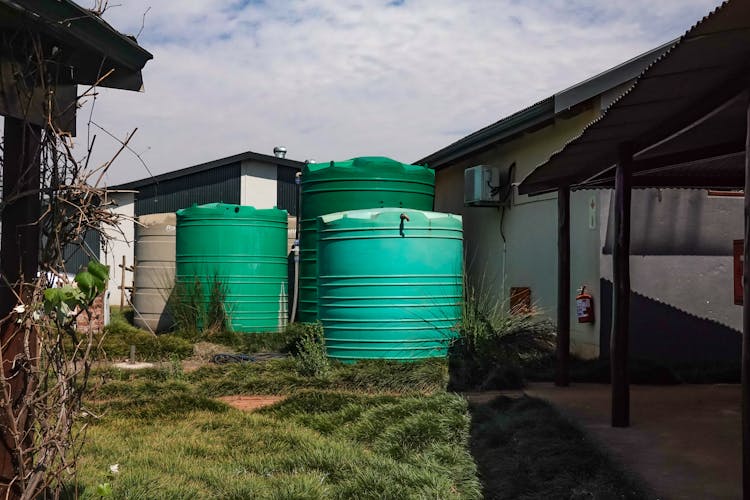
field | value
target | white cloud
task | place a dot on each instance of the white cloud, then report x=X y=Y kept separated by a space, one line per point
x=334 y=79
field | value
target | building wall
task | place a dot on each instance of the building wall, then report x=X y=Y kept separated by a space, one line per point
x=266 y=186
x=78 y=254
x=119 y=244
x=258 y=184
x=681 y=269
x=287 y=191
x=220 y=184
x=263 y=185
x=681 y=263
x=527 y=256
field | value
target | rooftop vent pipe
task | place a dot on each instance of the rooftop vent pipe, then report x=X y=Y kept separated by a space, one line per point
x=279 y=151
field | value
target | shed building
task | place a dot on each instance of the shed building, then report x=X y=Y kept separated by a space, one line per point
x=263 y=181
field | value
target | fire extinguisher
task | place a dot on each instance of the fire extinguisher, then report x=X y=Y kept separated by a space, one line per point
x=584 y=306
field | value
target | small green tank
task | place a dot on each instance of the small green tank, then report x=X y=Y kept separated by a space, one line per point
x=244 y=249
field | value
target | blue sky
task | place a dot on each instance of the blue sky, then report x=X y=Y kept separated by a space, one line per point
x=333 y=79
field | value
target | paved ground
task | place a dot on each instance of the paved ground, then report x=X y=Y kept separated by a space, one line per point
x=684 y=441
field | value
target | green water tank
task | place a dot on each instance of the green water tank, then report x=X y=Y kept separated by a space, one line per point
x=366 y=182
x=244 y=249
x=390 y=283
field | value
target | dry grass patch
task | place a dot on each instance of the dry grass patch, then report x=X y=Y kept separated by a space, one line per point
x=250 y=403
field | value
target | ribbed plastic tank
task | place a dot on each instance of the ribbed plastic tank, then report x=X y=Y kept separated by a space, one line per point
x=366 y=182
x=245 y=250
x=390 y=283
x=154 y=270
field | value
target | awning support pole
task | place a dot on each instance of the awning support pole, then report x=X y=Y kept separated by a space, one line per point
x=563 y=287
x=621 y=300
x=19 y=252
x=746 y=323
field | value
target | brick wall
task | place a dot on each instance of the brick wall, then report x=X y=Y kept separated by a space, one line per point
x=94 y=321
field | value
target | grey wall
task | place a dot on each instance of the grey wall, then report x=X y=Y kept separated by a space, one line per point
x=681 y=273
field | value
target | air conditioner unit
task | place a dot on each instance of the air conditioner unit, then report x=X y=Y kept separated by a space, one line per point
x=488 y=186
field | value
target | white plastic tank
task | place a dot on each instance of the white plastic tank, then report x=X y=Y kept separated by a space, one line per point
x=154 y=270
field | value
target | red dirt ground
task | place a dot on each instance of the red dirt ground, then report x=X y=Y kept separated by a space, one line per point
x=251 y=403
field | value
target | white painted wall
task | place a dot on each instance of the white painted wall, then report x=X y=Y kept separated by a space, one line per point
x=258 y=184
x=528 y=256
x=120 y=243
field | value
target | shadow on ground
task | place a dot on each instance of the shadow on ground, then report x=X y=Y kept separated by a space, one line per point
x=525 y=449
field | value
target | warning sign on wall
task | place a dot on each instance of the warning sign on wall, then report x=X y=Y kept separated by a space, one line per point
x=738 y=253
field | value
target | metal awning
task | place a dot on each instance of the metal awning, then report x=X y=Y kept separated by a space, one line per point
x=686 y=110
x=91 y=47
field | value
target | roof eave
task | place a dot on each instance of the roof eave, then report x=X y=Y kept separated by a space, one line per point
x=507 y=127
x=221 y=162
x=544 y=110
x=68 y=22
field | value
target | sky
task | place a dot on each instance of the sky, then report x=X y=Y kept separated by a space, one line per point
x=335 y=79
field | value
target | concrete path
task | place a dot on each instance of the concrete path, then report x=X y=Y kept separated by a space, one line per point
x=684 y=441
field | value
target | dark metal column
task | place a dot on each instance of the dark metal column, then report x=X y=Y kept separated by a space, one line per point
x=19 y=243
x=746 y=324
x=19 y=257
x=563 y=286
x=621 y=300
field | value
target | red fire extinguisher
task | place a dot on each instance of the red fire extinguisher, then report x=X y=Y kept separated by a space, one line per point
x=584 y=306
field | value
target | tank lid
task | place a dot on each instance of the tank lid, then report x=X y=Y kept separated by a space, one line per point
x=228 y=210
x=369 y=167
x=388 y=216
x=156 y=219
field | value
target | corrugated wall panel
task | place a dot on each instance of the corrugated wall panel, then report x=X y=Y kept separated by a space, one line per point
x=220 y=184
x=76 y=256
x=286 y=190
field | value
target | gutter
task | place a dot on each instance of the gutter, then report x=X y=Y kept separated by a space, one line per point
x=66 y=18
x=510 y=126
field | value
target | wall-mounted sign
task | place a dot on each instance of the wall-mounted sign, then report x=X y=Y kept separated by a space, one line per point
x=592 y=213
x=739 y=250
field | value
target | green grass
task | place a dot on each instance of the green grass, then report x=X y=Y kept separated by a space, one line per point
x=374 y=429
x=277 y=376
x=120 y=335
x=368 y=430
x=172 y=443
x=526 y=450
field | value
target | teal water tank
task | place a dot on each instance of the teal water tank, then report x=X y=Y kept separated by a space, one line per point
x=366 y=182
x=390 y=283
x=244 y=249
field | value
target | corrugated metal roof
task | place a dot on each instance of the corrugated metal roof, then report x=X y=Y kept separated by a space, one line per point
x=543 y=111
x=689 y=99
x=96 y=46
x=509 y=126
x=221 y=162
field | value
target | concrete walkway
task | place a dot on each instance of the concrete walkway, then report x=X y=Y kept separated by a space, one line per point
x=684 y=441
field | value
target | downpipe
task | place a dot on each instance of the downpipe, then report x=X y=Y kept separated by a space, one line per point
x=295 y=299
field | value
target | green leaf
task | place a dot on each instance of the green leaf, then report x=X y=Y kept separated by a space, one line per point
x=98 y=270
x=86 y=283
x=104 y=490
x=62 y=300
